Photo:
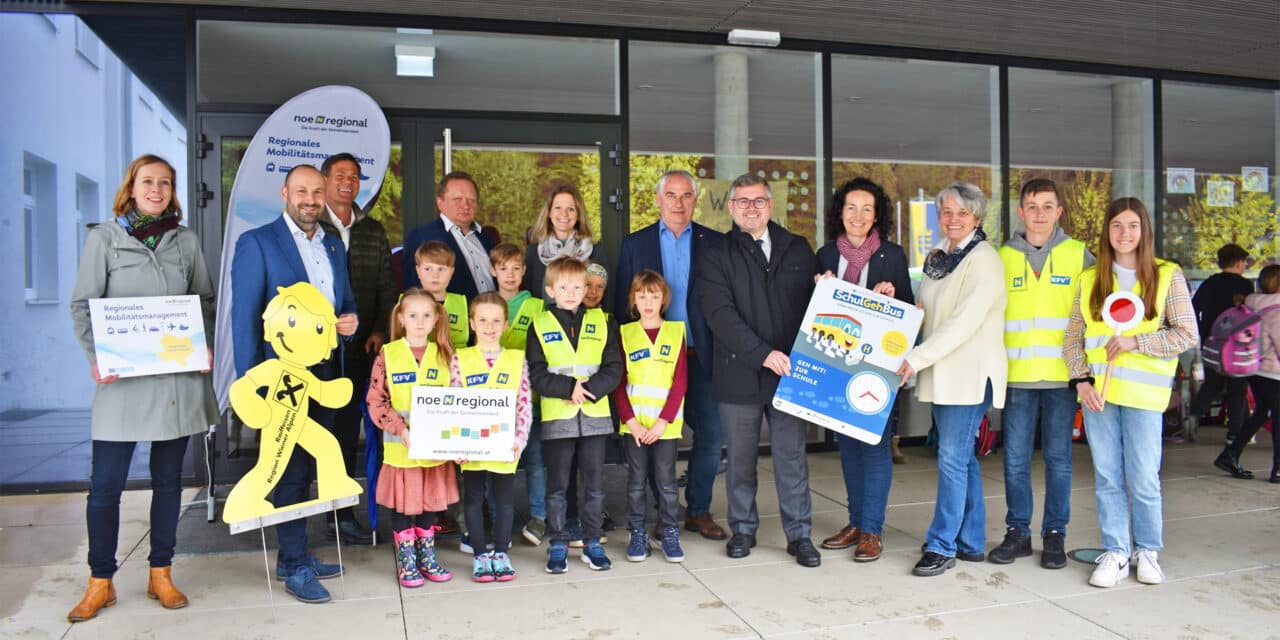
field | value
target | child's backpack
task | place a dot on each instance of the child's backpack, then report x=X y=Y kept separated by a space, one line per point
x=1233 y=346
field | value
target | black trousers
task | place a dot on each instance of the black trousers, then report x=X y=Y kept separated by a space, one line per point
x=474 y=488
x=348 y=421
x=1236 y=402
x=651 y=463
x=559 y=454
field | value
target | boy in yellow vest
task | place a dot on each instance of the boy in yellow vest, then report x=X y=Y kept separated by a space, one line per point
x=574 y=362
x=434 y=262
x=1042 y=268
x=508 y=269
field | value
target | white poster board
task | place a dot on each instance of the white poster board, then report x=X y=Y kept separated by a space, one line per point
x=450 y=423
x=148 y=335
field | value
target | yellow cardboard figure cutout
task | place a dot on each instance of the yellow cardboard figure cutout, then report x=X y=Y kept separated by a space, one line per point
x=301 y=327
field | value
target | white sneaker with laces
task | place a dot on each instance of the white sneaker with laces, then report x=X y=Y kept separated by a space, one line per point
x=1113 y=567
x=1149 y=571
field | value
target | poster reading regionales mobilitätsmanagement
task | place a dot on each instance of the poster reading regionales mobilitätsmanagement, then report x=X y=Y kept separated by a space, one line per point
x=845 y=359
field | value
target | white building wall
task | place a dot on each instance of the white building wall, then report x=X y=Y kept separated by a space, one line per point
x=84 y=117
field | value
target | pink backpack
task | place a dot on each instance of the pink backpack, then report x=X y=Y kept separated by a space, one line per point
x=1233 y=345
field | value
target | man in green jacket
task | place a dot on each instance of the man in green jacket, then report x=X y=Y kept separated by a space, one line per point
x=369 y=265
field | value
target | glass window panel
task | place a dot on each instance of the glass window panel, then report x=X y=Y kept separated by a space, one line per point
x=1220 y=156
x=1090 y=134
x=913 y=127
x=727 y=111
x=258 y=63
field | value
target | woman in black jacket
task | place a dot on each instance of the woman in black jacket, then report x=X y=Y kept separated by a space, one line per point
x=860 y=252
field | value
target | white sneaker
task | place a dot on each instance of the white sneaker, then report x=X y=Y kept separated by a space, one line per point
x=1112 y=568
x=1149 y=571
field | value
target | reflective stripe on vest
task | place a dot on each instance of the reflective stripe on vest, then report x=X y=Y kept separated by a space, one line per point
x=1137 y=380
x=517 y=335
x=506 y=373
x=564 y=359
x=403 y=374
x=651 y=370
x=1035 y=318
x=455 y=306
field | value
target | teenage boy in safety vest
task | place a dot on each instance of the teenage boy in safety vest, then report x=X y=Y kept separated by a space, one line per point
x=1042 y=268
x=489 y=365
x=434 y=262
x=575 y=360
x=650 y=404
x=508 y=269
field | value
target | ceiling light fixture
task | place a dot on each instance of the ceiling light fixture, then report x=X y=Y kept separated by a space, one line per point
x=753 y=38
x=415 y=61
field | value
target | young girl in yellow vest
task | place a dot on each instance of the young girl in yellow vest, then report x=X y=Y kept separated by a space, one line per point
x=1124 y=427
x=414 y=490
x=489 y=365
x=434 y=262
x=650 y=401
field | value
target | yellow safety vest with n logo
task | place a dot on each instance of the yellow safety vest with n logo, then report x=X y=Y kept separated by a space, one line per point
x=403 y=374
x=1035 y=320
x=455 y=307
x=651 y=370
x=517 y=334
x=506 y=373
x=580 y=363
x=1137 y=380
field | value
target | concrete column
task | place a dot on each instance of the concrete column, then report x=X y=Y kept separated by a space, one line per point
x=1129 y=140
x=731 y=114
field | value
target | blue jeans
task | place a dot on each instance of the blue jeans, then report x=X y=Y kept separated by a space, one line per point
x=702 y=415
x=868 y=471
x=960 y=515
x=535 y=471
x=1126 y=447
x=1055 y=410
x=110 y=471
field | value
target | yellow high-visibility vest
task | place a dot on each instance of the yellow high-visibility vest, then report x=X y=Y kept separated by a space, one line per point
x=1035 y=320
x=403 y=374
x=506 y=373
x=651 y=370
x=580 y=363
x=1137 y=380
x=455 y=307
x=517 y=335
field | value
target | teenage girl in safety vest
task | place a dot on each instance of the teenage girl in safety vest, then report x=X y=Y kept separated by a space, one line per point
x=414 y=490
x=489 y=365
x=1124 y=428
x=650 y=401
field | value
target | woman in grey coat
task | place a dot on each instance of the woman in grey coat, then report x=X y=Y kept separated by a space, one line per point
x=144 y=251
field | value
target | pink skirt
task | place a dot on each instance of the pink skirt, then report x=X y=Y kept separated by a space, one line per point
x=415 y=490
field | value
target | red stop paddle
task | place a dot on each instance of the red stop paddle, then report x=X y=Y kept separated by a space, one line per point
x=1121 y=310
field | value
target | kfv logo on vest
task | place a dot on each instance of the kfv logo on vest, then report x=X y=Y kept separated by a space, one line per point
x=636 y=356
x=1060 y=280
x=552 y=336
x=402 y=378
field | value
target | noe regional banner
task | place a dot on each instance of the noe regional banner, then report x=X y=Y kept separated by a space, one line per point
x=307 y=129
x=845 y=359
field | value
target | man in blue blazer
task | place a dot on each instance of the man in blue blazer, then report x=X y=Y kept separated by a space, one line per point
x=290 y=250
x=457 y=199
x=671 y=247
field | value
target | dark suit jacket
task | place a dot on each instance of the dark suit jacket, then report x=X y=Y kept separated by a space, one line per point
x=642 y=250
x=462 y=282
x=889 y=264
x=267 y=258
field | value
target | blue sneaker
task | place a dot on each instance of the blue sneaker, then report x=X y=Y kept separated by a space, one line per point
x=305 y=586
x=322 y=570
x=671 y=545
x=593 y=556
x=464 y=544
x=557 y=557
x=574 y=527
x=638 y=548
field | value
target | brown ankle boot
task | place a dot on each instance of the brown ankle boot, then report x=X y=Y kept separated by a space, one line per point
x=101 y=593
x=898 y=458
x=161 y=588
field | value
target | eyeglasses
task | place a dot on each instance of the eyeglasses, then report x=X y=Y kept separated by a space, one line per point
x=746 y=203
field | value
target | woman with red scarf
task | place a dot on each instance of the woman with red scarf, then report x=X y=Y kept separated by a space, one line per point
x=861 y=253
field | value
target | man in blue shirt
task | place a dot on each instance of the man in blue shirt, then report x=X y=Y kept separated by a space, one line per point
x=669 y=247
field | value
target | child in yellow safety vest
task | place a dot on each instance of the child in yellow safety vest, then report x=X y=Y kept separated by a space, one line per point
x=650 y=401
x=418 y=354
x=434 y=262
x=489 y=365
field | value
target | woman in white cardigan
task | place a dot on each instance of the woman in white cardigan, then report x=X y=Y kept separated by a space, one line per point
x=962 y=370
